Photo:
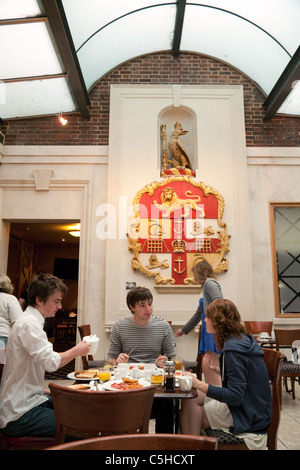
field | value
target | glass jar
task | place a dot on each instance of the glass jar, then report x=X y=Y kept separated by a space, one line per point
x=169 y=376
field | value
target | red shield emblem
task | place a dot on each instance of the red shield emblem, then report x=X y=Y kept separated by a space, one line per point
x=177 y=223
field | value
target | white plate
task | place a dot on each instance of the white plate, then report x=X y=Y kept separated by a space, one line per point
x=108 y=385
x=264 y=338
x=72 y=376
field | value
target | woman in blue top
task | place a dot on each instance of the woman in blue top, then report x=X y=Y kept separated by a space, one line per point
x=243 y=404
x=204 y=274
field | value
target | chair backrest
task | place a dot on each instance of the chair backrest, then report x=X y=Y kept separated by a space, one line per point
x=256 y=327
x=89 y=414
x=286 y=337
x=143 y=442
x=85 y=330
x=273 y=360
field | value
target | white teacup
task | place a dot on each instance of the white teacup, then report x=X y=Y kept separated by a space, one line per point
x=136 y=373
x=120 y=372
x=122 y=369
x=148 y=374
x=94 y=341
x=185 y=383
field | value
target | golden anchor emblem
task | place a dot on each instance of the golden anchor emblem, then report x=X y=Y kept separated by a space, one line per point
x=179 y=260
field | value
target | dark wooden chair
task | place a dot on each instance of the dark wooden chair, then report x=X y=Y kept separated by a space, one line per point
x=25 y=443
x=88 y=362
x=273 y=360
x=143 y=442
x=86 y=414
x=256 y=327
x=289 y=370
x=64 y=326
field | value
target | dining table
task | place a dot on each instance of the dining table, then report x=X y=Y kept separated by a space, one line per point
x=176 y=396
x=161 y=393
x=267 y=342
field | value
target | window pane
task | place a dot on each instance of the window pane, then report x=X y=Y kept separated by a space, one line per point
x=287 y=239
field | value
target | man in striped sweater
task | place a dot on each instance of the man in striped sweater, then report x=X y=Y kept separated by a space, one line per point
x=153 y=335
x=153 y=341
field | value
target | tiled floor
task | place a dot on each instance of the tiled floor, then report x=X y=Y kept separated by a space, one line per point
x=289 y=430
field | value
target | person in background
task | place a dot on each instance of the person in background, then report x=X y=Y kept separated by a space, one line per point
x=243 y=404
x=155 y=343
x=10 y=308
x=26 y=409
x=9 y=311
x=204 y=275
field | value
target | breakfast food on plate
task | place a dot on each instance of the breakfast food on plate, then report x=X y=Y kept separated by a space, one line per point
x=127 y=380
x=86 y=374
x=127 y=384
x=80 y=386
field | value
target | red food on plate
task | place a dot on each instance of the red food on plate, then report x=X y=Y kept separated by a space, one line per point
x=126 y=386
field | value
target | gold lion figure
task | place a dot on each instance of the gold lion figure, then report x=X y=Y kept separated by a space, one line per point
x=171 y=202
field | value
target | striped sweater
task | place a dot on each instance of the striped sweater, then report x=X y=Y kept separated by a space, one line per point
x=154 y=339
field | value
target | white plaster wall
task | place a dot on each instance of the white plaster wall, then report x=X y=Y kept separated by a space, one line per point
x=81 y=185
x=274 y=175
x=221 y=163
x=78 y=185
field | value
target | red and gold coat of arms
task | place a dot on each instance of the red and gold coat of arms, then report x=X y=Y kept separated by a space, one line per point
x=177 y=223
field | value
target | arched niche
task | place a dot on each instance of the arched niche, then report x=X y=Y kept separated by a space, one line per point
x=169 y=119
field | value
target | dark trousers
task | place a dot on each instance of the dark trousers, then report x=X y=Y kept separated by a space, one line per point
x=163 y=413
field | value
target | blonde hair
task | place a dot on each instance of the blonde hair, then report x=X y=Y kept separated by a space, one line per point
x=5 y=284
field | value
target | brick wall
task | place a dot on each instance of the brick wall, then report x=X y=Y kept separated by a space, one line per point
x=160 y=68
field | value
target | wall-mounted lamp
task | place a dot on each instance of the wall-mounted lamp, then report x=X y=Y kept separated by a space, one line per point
x=75 y=231
x=62 y=120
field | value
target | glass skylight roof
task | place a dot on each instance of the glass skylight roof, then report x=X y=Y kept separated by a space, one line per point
x=258 y=37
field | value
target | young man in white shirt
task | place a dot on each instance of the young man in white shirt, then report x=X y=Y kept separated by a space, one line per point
x=25 y=409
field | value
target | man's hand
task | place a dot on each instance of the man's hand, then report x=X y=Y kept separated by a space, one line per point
x=160 y=360
x=122 y=358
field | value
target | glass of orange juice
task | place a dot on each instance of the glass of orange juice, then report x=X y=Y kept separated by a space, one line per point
x=103 y=375
x=179 y=364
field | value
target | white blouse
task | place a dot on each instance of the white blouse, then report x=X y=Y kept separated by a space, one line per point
x=10 y=310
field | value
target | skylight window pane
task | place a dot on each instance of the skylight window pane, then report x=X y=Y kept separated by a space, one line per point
x=10 y=9
x=141 y=33
x=292 y=103
x=97 y=14
x=32 y=50
x=35 y=98
x=235 y=41
x=273 y=16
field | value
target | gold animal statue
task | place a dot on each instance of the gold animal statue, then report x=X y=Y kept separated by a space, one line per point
x=170 y=202
x=155 y=263
x=177 y=150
